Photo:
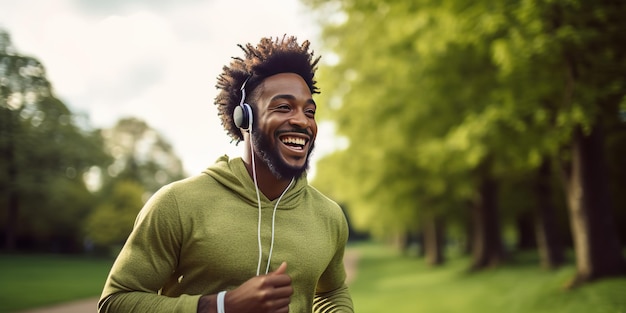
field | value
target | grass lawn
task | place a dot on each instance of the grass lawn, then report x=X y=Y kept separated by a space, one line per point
x=30 y=281
x=386 y=281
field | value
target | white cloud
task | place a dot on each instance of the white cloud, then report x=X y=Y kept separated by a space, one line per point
x=156 y=62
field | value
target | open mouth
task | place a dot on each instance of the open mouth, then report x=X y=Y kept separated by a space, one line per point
x=294 y=142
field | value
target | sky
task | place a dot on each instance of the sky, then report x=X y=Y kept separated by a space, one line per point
x=156 y=60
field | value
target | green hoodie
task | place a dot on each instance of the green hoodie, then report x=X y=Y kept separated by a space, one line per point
x=198 y=236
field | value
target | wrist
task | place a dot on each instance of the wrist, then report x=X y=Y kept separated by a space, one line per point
x=207 y=304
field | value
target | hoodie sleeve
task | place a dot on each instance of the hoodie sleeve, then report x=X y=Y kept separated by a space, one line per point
x=146 y=262
x=336 y=301
x=332 y=295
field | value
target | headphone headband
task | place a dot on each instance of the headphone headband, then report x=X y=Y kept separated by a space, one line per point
x=243 y=90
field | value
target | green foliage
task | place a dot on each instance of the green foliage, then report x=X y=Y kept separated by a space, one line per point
x=57 y=223
x=140 y=153
x=426 y=92
x=110 y=222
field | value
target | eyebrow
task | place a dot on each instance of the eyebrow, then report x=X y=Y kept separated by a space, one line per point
x=290 y=97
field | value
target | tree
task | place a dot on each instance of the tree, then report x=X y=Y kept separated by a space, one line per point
x=44 y=155
x=141 y=154
x=112 y=221
x=19 y=76
x=548 y=237
x=571 y=53
x=143 y=161
x=403 y=87
x=480 y=90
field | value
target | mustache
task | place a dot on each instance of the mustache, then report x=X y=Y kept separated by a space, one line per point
x=303 y=131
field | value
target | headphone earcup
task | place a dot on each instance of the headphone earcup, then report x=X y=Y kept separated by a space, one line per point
x=242 y=116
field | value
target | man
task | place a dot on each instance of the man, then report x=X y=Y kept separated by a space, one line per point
x=248 y=234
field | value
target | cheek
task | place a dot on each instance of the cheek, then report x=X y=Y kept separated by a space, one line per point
x=267 y=127
x=314 y=130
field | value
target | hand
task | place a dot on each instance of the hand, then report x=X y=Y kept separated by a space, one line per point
x=269 y=293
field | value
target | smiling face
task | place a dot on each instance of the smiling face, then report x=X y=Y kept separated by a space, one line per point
x=284 y=128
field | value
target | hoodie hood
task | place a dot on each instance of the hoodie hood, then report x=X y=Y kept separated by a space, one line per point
x=233 y=175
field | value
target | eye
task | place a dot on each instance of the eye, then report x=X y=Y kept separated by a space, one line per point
x=310 y=112
x=283 y=107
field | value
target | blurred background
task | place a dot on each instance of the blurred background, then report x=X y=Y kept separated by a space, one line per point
x=473 y=145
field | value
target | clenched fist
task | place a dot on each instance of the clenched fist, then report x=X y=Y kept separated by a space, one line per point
x=269 y=293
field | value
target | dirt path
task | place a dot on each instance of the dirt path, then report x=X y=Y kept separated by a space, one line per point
x=351 y=260
x=90 y=305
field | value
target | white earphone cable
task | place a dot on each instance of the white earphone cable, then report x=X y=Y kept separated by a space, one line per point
x=258 y=197
x=258 y=201
x=269 y=257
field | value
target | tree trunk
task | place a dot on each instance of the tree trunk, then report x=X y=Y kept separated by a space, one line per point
x=434 y=240
x=469 y=229
x=487 y=242
x=525 y=231
x=7 y=144
x=419 y=244
x=598 y=251
x=546 y=226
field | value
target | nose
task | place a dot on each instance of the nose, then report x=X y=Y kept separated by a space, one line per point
x=299 y=119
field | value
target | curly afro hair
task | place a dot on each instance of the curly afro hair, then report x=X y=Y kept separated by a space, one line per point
x=270 y=57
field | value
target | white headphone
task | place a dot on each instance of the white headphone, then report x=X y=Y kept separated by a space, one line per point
x=242 y=116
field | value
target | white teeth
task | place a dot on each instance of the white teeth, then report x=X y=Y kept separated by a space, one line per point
x=294 y=141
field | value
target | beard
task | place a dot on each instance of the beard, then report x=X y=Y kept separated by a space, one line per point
x=270 y=156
